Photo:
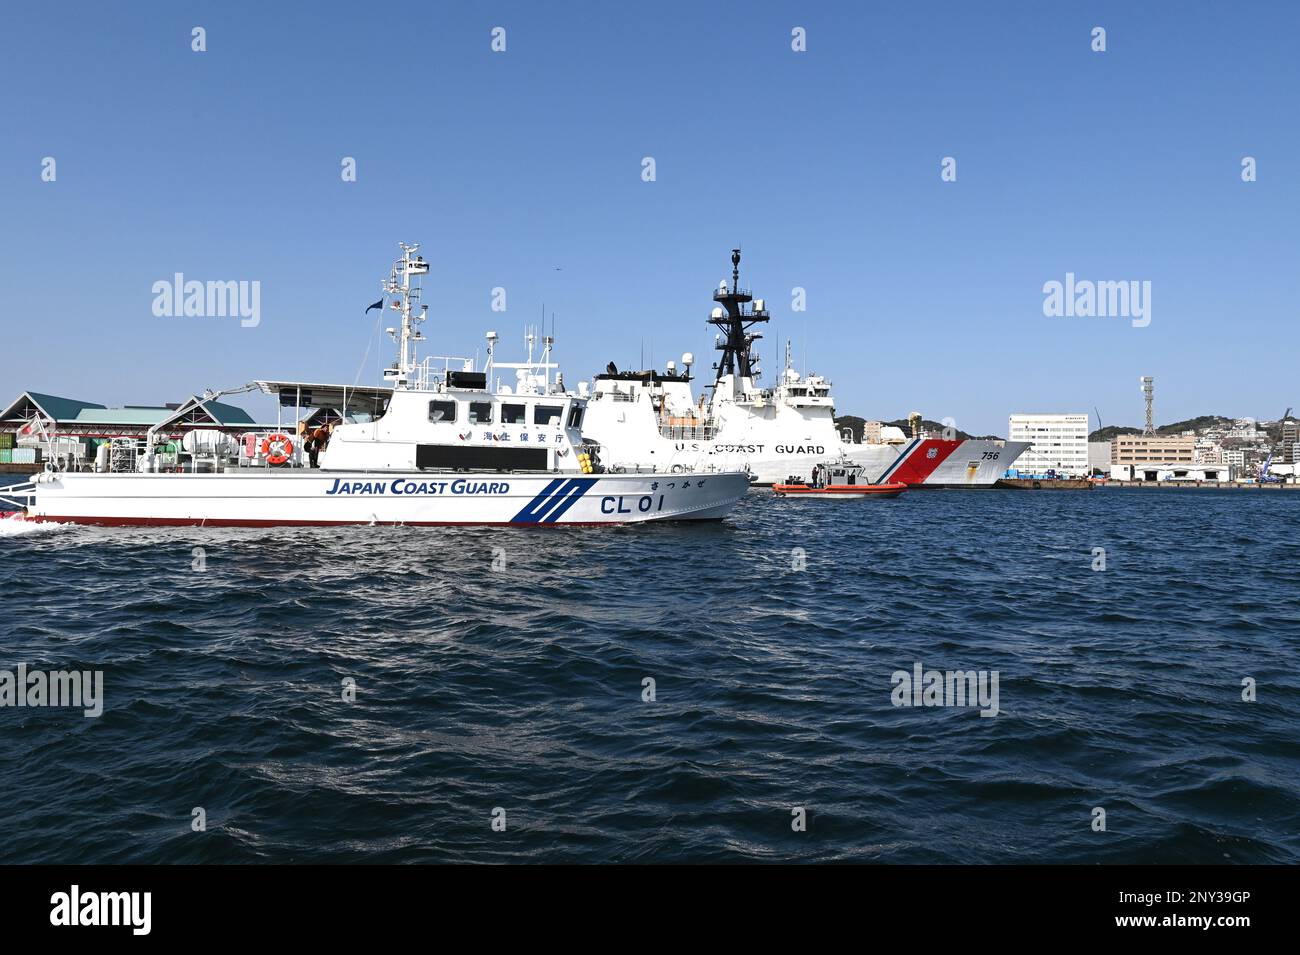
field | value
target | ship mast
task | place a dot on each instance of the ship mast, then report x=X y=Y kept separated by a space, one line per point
x=399 y=284
x=735 y=321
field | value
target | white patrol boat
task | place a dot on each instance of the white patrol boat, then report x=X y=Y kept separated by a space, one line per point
x=643 y=419
x=437 y=448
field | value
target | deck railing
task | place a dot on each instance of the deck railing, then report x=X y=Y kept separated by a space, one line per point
x=686 y=432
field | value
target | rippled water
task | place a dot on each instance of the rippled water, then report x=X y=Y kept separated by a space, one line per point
x=521 y=688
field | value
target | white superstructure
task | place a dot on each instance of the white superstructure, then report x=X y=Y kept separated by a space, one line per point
x=649 y=419
x=442 y=449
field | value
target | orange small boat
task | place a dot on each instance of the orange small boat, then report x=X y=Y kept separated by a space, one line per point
x=842 y=481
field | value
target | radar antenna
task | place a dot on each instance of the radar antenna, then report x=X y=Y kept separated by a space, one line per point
x=736 y=321
x=399 y=284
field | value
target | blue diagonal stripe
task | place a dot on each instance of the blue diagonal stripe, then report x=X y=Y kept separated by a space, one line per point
x=897 y=461
x=577 y=487
x=536 y=509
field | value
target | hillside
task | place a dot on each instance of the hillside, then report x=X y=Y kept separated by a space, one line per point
x=1197 y=424
x=1109 y=432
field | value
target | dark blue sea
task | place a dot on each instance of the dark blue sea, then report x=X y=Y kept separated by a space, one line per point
x=499 y=675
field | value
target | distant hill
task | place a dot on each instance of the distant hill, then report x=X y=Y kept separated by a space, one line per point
x=1109 y=432
x=1197 y=424
x=856 y=423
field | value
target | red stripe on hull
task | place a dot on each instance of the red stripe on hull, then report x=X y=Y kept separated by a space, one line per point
x=920 y=465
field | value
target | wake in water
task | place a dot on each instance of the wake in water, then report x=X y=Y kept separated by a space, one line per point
x=12 y=524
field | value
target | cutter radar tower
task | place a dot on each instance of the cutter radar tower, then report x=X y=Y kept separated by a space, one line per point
x=735 y=320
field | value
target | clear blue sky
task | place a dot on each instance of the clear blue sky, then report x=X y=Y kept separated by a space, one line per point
x=824 y=165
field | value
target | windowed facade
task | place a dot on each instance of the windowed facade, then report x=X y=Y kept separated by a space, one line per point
x=444 y=410
x=1058 y=443
x=1152 y=449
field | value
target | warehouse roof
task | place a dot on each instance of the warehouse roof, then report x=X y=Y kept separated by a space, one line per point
x=133 y=415
x=50 y=406
x=197 y=412
x=70 y=411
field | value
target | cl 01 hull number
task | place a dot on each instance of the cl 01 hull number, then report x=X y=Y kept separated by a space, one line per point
x=621 y=504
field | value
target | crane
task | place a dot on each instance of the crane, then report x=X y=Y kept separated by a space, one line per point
x=1263 y=471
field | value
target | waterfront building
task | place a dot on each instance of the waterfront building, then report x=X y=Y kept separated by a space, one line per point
x=68 y=432
x=1058 y=442
x=1152 y=449
x=1173 y=473
x=1290 y=440
x=1208 y=451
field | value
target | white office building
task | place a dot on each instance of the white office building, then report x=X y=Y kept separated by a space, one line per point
x=1058 y=442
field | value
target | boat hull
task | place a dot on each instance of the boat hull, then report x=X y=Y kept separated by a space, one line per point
x=1045 y=484
x=954 y=463
x=296 y=498
x=940 y=463
x=777 y=442
x=839 y=492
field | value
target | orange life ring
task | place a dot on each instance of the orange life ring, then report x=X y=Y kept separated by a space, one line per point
x=277 y=448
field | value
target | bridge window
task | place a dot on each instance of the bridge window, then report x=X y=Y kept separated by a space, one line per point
x=547 y=414
x=480 y=412
x=442 y=411
x=575 y=417
x=512 y=414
